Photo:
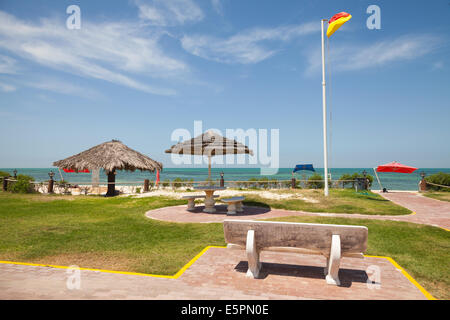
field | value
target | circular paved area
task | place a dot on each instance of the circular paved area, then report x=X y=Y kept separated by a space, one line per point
x=426 y=211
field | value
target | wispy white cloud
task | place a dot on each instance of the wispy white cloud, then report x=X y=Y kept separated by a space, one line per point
x=438 y=65
x=98 y=50
x=169 y=12
x=7 y=87
x=245 y=47
x=8 y=65
x=217 y=6
x=357 y=57
x=61 y=87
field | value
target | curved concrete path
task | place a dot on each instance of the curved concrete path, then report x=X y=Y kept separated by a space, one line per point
x=426 y=211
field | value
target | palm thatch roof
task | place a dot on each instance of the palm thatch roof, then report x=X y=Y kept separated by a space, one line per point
x=209 y=143
x=112 y=155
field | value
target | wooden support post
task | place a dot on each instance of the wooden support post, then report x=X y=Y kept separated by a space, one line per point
x=146 y=185
x=293 y=183
x=111 y=184
x=5 y=184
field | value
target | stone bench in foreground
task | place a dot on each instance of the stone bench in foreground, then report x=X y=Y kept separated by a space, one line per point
x=329 y=240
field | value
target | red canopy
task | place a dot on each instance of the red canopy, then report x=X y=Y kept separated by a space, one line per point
x=71 y=170
x=395 y=167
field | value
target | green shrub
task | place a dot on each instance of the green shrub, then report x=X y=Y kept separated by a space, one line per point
x=22 y=185
x=288 y=184
x=253 y=183
x=315 y=184
x=4 y=174
x=138 y=190
x=62 y=183
x=370 y=179
x=165 y=183
x=438 y=178
x=360 y=175
x=210 y=182
x=346 y=176
x=177 y=182
x=264 y=183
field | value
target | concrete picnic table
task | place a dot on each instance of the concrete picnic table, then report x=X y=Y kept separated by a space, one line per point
x=209 y=200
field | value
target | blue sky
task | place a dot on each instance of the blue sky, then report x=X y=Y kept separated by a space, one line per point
x=139 y=69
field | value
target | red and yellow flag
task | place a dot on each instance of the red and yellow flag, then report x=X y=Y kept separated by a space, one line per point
x=337 y=21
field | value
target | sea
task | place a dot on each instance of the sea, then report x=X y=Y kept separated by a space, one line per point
x=391 y=181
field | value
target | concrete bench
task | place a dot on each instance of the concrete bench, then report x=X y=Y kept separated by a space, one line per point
x=234 y=204
x=329 y=240
x=191 y=200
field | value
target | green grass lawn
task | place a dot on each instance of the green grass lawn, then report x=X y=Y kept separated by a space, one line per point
x=113 y=233
x=338 y=201
x=97 y=232
x=443 y=196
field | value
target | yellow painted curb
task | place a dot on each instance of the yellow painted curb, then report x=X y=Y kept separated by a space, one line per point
x=86 y=269
x=187 y=265
x=175 y=276
x=406 y=274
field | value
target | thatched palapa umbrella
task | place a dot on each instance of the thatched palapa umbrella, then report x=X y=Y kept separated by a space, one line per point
x=110 y=156
x=209 y=144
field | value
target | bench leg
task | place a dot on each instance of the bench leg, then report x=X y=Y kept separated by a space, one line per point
x=231 y=208
x=239 y=207
x=334 y=261
x=254 y=265
x=191 y=205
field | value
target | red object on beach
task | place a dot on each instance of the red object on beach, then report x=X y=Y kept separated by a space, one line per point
x=395 y=167
x=72 y=170
x=157 y=177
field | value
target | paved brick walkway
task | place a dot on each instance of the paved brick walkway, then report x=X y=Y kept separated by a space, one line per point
x=217 y=274
x=427 y=211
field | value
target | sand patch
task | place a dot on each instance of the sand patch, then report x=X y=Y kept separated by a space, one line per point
x=231 y=193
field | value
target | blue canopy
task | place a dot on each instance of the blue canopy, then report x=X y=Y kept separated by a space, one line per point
x=304 y=167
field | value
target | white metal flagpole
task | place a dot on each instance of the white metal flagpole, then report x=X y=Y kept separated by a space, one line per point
x=325 y=147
